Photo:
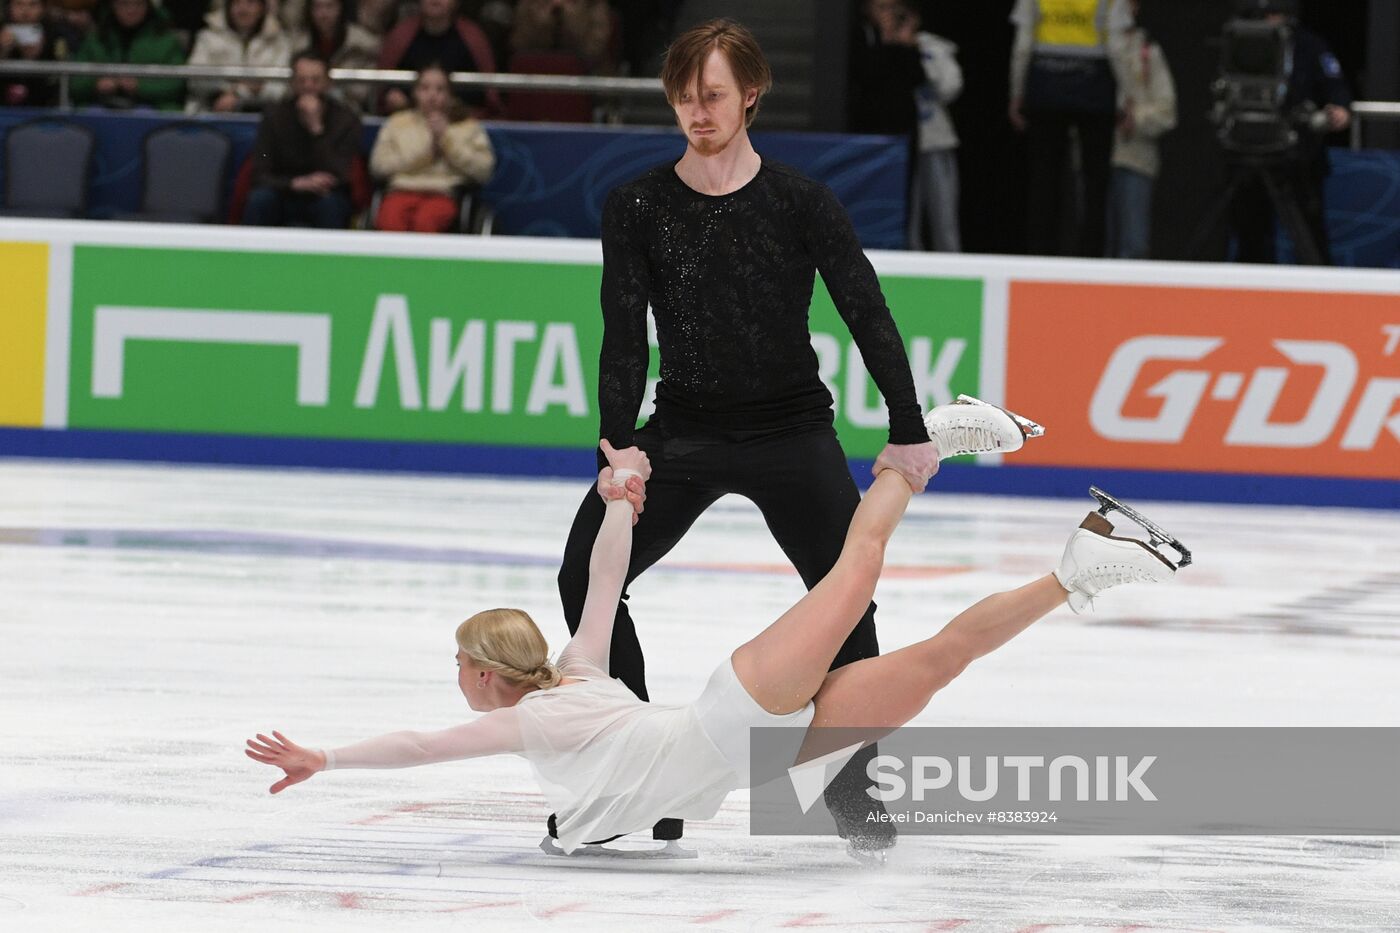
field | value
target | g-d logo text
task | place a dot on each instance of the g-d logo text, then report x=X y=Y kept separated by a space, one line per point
x=1257 y=392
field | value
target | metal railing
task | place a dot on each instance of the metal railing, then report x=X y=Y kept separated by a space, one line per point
x=65 y=71
x=1363 y=110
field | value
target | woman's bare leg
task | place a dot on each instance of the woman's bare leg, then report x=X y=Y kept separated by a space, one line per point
x=883 y=693
x=784 y=665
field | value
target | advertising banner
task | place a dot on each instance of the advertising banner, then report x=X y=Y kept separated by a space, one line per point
x=23 y=320
x=412 y=349
x=1208 y=379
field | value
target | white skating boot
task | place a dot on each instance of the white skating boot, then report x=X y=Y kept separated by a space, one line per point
x=972 y=426
x=1095 y=559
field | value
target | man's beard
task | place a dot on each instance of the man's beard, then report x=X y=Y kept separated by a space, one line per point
x=712 y=144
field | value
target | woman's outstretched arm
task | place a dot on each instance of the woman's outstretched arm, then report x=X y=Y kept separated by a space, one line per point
x=612 y=553
x=496 y=733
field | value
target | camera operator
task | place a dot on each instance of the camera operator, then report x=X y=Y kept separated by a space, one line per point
x=1318 y=97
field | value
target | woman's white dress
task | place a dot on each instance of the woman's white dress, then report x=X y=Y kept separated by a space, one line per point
x=607 y=762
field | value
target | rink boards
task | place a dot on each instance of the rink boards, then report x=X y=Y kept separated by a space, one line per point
x=365 y=350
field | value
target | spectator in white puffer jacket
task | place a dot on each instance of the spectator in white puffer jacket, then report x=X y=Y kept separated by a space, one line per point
x=240 y=32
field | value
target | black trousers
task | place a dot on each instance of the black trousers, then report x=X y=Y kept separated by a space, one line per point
x=800 y=481
x=1048 y=211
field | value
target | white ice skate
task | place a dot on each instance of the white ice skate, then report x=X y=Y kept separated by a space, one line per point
x=972 y=426
x=1095 y=559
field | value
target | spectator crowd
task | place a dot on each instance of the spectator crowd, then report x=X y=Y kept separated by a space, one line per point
x=306 y=157
x=1090 y=91
x=577 y=36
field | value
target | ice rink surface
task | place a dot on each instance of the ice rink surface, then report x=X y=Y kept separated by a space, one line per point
x=152 y=618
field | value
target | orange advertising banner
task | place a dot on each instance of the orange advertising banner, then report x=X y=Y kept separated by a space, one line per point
x=1207 y=379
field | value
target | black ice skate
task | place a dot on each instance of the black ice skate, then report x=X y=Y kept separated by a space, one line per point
x=666 y=831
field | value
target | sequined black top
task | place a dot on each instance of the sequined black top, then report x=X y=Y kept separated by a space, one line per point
x=730 y=279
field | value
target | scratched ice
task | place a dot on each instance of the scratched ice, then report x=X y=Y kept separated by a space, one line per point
x=153 y=617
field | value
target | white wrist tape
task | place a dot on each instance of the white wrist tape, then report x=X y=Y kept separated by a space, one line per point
x=622 y=475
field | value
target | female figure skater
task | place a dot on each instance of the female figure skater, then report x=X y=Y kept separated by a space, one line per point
x=611 y=764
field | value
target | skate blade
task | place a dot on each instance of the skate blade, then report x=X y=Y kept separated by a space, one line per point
x=1157 y=535
x=877 y=858
x=671 y=850
x=1028 y=427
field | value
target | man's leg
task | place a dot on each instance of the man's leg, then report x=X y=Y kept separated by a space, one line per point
x=263 y=208
x=803 y=486
x=804 y=489
x=330 y=211
x=785 y=665
x=676 y=496
x=679 y=490
x=1095 y=151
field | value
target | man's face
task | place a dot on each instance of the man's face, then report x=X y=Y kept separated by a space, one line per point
x=26 y=11
x=713 y=119
x=309 y=77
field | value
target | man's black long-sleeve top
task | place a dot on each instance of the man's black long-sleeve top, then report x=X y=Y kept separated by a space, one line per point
x=729 y=279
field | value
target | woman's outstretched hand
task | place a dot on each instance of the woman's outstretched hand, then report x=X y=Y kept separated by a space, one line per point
x=281 y=752
x=633 y=488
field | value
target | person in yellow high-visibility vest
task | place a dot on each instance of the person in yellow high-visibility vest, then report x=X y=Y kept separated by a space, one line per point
x=1063 y=78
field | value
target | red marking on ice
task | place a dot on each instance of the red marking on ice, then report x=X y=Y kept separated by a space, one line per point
x=919 y=571
x=350 y=900
x=717 y=915
x=949 y=924
x=397 y=811
x=101 y=889
x=562 y=909
x=805 y=921
x=485 y=905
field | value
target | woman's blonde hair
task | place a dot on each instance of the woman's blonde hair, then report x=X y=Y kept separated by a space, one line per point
x=509 y=642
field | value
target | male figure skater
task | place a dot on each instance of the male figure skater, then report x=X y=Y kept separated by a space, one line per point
x=724 y=246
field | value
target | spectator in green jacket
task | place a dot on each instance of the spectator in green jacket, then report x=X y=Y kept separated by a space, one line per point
x=137 y=33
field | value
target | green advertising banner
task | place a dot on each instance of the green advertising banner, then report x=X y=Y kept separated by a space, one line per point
x=466 y=351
